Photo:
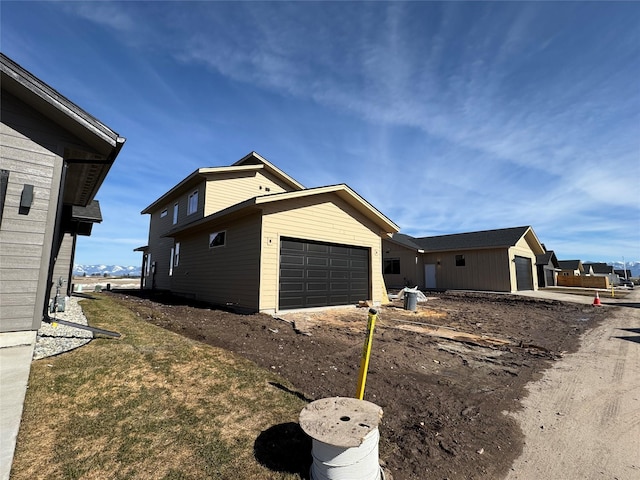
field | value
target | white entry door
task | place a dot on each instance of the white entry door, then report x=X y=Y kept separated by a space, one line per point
x=430 y=275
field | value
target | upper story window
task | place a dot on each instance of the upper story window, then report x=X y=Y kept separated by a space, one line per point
x=192 y=206
x=164 y=213
x=217 y=239
x=175 y=214
x=460 y=261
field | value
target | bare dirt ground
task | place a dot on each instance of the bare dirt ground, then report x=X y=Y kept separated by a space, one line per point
x=444 y=390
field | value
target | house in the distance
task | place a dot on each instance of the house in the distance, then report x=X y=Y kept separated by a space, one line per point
x=570 y=268
x=548 y=268
x=599 y=269
x=495 y=260
x=250 y=237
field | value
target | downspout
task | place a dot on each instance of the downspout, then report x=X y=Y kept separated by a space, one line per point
x=73 y=260
x=55 y=244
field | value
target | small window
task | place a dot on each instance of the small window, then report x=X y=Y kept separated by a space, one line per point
x=193 y=203
x=171 y=261
x=175 y=213
x=217 y=239
x=460 y=261
x=176 y=260
x=164 y=213
x=391 y=266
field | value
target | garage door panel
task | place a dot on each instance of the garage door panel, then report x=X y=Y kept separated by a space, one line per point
x=291 y=260
x=317 y=274
x=317 y=248
x=292 y=245
x=339 y=262
x=339 y=274
x=524 y=275
x=359 y=263
x=318 y=261
x=339 y=299
x=317 y=286
x=316 y=301
x=338 y=250
x=291 y=273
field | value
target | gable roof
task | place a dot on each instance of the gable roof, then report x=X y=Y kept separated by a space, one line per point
x=598 y=267
x=570 y=264
x=499 y=238
x=547 y=257
x=250 y=162
x=255 y=204
x=86 y=170
x=623 y=273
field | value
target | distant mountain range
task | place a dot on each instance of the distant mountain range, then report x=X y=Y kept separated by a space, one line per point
x=119 y=271
x=634 y=267
x=109 y=270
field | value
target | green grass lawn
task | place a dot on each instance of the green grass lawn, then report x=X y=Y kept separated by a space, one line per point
x=155 y=405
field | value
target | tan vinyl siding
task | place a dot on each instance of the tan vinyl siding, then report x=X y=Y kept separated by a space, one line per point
x=484 y=270
x=324 y=218
x=522 y=249
x=222 y=275
x=26 y=239
x=224 y=190
x=411 y=266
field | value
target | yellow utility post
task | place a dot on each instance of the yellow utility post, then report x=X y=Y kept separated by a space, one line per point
x=366 y=353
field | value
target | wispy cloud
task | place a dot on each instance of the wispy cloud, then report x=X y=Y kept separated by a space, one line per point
x=447 y=116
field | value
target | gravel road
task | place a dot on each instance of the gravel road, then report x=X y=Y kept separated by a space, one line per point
x=582 y=419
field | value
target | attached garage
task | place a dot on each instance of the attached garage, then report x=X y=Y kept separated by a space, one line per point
x=317 y=274
x=524 y=273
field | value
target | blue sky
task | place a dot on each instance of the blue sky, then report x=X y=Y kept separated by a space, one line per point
x=448 y=117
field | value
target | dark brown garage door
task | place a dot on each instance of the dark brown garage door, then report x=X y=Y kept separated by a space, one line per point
x=524 y=277
x=314 y=274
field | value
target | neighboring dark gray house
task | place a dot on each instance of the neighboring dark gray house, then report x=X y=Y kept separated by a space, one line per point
x=571 y=268
x=496 y=260
x=548 y=268
x=597 y=269
x=54 y=159
x=601 y=270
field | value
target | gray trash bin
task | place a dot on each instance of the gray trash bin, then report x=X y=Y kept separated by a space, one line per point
x=410 y=300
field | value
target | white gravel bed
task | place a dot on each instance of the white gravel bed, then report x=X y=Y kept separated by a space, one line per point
x=61 y=338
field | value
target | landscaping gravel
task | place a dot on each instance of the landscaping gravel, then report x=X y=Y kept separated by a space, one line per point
x=61 y=338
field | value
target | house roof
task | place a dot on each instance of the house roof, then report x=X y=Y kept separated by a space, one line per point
x=250 y=162
x=405 y=241
x=623 y=273
x=255 y=204
x=500 y=238
x=86 y=170
x=547 y=257
x=598 y=267
x=90 y=213
x=570 y=264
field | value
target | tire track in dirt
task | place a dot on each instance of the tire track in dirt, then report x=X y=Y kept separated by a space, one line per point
x=582 y=420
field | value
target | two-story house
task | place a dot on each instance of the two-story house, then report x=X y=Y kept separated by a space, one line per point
x=251 y=237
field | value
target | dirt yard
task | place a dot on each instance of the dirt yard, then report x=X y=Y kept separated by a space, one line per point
x=444 y=375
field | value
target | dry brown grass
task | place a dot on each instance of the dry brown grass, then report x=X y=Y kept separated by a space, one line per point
x=150 y=405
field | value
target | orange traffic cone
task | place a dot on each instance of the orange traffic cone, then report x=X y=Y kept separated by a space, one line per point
x=596 y=301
